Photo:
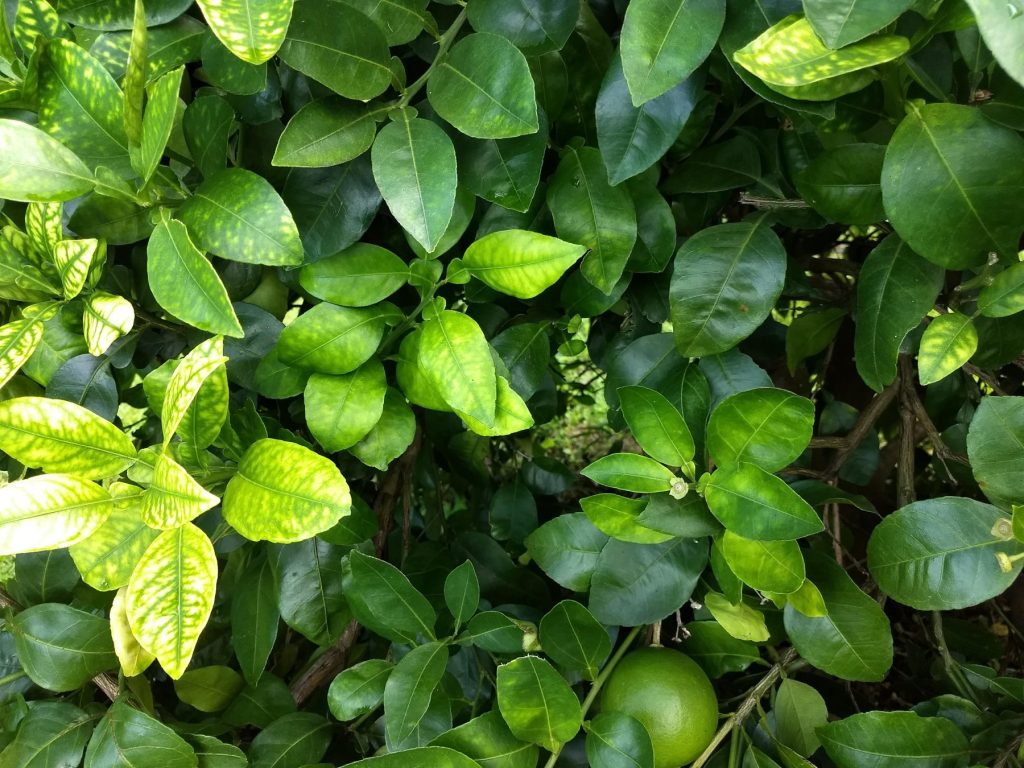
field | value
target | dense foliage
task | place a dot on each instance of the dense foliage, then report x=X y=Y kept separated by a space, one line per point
x=375 y=375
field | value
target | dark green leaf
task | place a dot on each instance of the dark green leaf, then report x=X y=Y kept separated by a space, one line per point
x=382 y=599
x=409 y=689
x=617 y=740
x=894 y=740
x=536 y=703
x=574 y=639
x=758 y=505
x=766 y=427
x=358 y=689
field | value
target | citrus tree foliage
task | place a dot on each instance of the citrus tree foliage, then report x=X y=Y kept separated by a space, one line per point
x=374 y=376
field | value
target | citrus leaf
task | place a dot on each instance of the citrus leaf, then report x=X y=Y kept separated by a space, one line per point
x=50 y=511
x=174 y=497
x=994 y=447
x=117 y=14
x=758 y=505
x=383 y=599
x=511 y=414
x=1004 y=296
x=284 y=492
x=157 y=123
x=359 y=276
x=61 y=648
x=74 y=260
x=237 y=215
x=408 y=692
x=520 y=263
x=954 y=200
x=536 y=703
x=37 y=168
x=359 y=689
x=128 y=738
x=767 y=566
x=948 y=342
x=574 y=639
x=332 y=339
x=186 y=381
x=18 y=340
x=108 y=556
x=415 y=168
x=253 y=30
x=766 y=427
x=325 y=133
x=106 y=319
x=209 y=689
x=170 y=596
x=134 y=659
x=254 y=620
x=59 y=436
x=484 y=88
x=617 y=739
x=894 y=740
x=1001 y=26
x=630 y=472
x=51 y=733
x=664 y=41
x=341 y=410
x=456 y=360
x=486 y=739
x=841 y=22
x=656 y=425
x=618 y=517
x=390 y=436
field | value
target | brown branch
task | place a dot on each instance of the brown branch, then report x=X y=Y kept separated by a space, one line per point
x=396 y=484
x=103 y=681
x=984 y=376
x=942 y=451
x=908 y=424
x=865 y=423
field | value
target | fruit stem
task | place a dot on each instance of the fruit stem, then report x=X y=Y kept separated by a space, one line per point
x=736 y=719
x=595 y=689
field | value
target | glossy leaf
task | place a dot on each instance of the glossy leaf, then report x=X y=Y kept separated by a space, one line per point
x=382 y=598
x=758 y=505
x=415 y=168
x=51 y=733
x=409 y=688
x=535 y=26
x=106 y=319
x=341 y=410
x=619 y=517
x=254 y=620
x=948 y=342
x=630 y=472
x=456 y=361
x=767 y=566
x=45 y=170
x=134 y=659
x=993 y=446
x=170 y=596
x=520 y=263
x=574 y=639
x=50 y=511
x=61 y=648
x=656 y=425
x=284 y=492
x=725 y=282
x=332 y=339
x=187 y=381
x=841 y=22
x=128 y=738
x=107 y=557
x=252 y=30
x=158 y=122
x=844 y=183
x=59 y=436
x=917 y=553
x=1000 y=27
x=462 y=592
x=971 y=187
x=325 y=133
x=717 y=651
x=309 y=593
x=358 y=690
x=487 y=739
x=664 y=41
x=18 y=340
x=766 y=427
x=296 y=739
x=536 y=703
x=174 y=497
x=616 y=739
x=1005 y=294
x=891 y=739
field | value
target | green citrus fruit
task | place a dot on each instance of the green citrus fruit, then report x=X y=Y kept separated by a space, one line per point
x=673 y=698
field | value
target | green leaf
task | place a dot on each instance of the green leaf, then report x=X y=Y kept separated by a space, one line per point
x=383 y=599
x=254 y=620
x=401 y=20
x=59 y=436
x=207 y=124
x=18 y=340
x=853 y=641
x=389 y=438
x=297 y=739
x=81 y=106
x=766 y=427
x=214 y=753
x=952 y=184
x=799 y=711
x=332 y=339
x=504 y=171
x=618 y=517
x=336 y=45
x=679 y=517
x=894 y=740
x=567 y=550
x=725 y=283
x=811 y=333
x=758 y=505
x=767 y=566
x=52 y=733
x=61 y=648
x=657 y=425
x=483 y=87
x=791 y=54
x=844 y=183
x=574 y=639
x=117 y=14
x=739 y=620
x=414 y=167
x=209 y=689
x=37 y=168
x=841 y=22
x=618 y=740
x=462 y=593
x=325 y=133
x=589 y=211
x=187 y=381
x=456 y=360
x=174 y=497
x=630 y=472
x=1004 y=296
x=917 y=553
x=284 y=492
x=359 y=276
x=185 y=284
x=1001 y=28
x=633 y=138
x=536 y=703
x=488 y=740
x=106 y=319
x=718 y=652
x=341 y=410
x=994 y=448
x=74 y=260
x=359 y=689
x=520 y=263
x=664 y=41
x=495 y=632
x=50 y=511
x=158 y=122
x=435 y=757
x=237 y=215
x=170 y=596
x=948 y=342
x=895 y=290
x=128 y=738
x=408 y=691
x=535 y=26
x=108 y=556
x=252 y=30
x=309 y=594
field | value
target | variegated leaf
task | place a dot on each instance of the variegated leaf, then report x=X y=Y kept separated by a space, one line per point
x=158 y=122
x=170 y=596
x=106 y=319
x=50 y=511
x=174 y=498
x=134 y=83
x=18 y=340
x=253 y=30
x=186 y=381
x=133 y=657
x=74 y=259
x=44 y=225
x=61 y=436
x=107 y=558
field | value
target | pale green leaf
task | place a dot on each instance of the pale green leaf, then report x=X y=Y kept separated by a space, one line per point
x=186 y=381
x=108 y=556
x=253 y=30
x=74 y=259
x=134 y=659
x=158 y=122
x=341 y=410
x=359 y=276
x=36 y=167
x=106 y=319
x=325 y=133
x=50 y=511
x=174 y=497
x=456 y=360
x=948 y=342
x=18 y=340
x=520 y=263
x=511 y=413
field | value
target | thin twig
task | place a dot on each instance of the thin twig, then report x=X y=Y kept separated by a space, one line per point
x=908 y=438
x=984 y=376
x=865 y=423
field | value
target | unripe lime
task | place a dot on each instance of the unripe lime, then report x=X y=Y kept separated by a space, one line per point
x=670 y=694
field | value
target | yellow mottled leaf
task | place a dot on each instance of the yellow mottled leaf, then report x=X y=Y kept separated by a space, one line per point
x=106 y=319
x=74 y=259
x=186 y=381
x=107 y=558
x=50 y=511
x=133 y=657
x=18 y=340
x=175 y=497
